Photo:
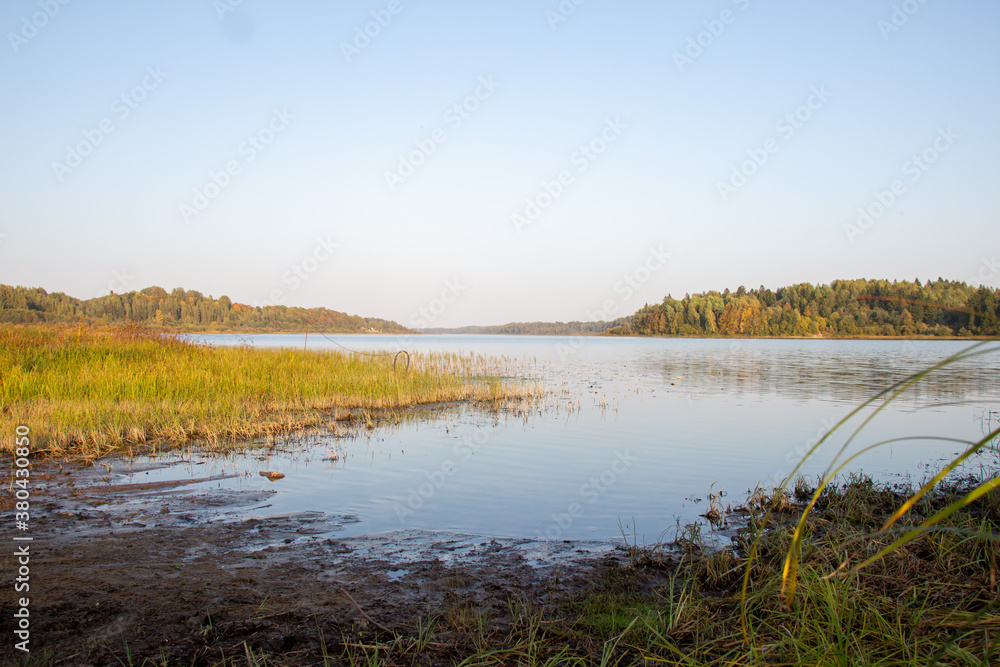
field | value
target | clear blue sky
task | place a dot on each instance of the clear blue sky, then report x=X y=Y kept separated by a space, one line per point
x=310 y=129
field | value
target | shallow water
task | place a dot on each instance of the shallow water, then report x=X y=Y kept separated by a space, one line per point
x=637 y=433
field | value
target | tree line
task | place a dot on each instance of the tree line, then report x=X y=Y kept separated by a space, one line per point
x=179 y=310
x=535 y=328
x=842 y=308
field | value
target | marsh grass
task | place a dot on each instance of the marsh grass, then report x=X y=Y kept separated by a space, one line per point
x=88 y=393
x=899 y=523
x=685 y=607
x=845 y=572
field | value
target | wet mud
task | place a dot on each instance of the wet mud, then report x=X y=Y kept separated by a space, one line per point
x=124 y=571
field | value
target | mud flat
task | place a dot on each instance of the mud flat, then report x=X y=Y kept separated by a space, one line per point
x=163 y=571
x=169 y=572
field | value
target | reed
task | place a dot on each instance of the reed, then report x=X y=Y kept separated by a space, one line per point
x=88 y=393
x=848 y=571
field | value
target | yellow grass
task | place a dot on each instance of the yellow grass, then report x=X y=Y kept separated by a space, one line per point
x=88 y=393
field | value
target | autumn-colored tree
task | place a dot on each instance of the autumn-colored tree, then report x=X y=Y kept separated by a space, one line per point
x=842 y=308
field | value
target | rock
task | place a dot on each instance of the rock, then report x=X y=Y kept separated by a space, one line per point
x=272 y=475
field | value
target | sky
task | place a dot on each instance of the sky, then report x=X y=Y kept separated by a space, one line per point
x=452 y=163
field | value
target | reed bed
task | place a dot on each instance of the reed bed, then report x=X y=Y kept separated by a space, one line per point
x=88 y=393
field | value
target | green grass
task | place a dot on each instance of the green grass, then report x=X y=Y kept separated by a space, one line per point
x=94 y=392
x=935 y=597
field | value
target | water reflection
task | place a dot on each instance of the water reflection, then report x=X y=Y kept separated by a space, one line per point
x=846 y=371
x=635 y=432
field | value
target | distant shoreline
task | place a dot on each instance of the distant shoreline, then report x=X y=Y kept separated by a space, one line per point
x=600 y=335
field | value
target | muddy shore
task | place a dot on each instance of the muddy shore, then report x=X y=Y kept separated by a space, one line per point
x=131 y=571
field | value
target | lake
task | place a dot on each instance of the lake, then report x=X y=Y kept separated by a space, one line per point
x=636 y=433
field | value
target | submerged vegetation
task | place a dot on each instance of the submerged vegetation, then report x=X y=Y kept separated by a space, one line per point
x=842 y=308
x=86 y=392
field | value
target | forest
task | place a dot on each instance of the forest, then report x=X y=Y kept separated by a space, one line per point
x=535 y=328
x=842 y=308
x=179 y=310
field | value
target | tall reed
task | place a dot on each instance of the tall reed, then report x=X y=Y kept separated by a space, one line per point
x=90 y=392
x=895 y=532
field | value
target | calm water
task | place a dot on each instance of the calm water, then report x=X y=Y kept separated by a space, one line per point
x=639 y=432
